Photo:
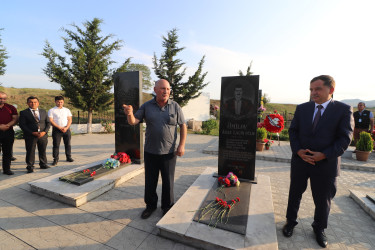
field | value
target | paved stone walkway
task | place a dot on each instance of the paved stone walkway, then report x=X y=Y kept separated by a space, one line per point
x=112 y=221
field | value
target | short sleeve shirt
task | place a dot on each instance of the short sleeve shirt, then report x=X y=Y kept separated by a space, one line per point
x=59 y=116
x=161 y=130
x=6 y=113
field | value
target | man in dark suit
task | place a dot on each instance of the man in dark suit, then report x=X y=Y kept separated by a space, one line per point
x=35 y=125
x=320 y=132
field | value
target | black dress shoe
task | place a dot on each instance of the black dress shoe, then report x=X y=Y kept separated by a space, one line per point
x=69 y=160
x=55 y=162
x=13 y=158
x=44 y=167
x=147 y=213
x=9 y=172
x=288 y=229
x=30 y=170
x=321 y=238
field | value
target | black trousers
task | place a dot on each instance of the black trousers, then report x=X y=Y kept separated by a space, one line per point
x=31 y=142
x=6 y=141
x=56 y=136
x=166 y=164
x=323 y=190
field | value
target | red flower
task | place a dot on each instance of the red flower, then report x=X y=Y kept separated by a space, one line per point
x=217 y=199
x=274 y=123
x=238 y=199
x=227 y=182
x=229 y=206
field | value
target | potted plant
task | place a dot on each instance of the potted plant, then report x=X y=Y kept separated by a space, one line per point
x=261 y=135
x=268 y=144
x=364 y=146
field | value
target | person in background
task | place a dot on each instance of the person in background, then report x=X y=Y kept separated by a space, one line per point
x=35 y=124
x=61 y=119
x=8 y=118
x=364 y=121
x=162 y=116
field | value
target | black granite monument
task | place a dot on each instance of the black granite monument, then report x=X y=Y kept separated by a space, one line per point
x=128 y=138
x=238 y=124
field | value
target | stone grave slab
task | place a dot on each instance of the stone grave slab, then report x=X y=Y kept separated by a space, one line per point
x=362 y=199
x=178 y=223
x=74 y=195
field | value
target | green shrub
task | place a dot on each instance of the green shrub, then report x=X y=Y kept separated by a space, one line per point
x=18 y=134
x=365 y=142
x=261 y=134
x=107 y=126
x=208 y=126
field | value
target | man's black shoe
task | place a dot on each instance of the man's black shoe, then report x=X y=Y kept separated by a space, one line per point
x=44 y=167
x=30 y=170
x=13 y=158
x=288 y=229
x=69 y=160
x=321 y=238
x=9 y=172
x=54 y=162
x=147 y=213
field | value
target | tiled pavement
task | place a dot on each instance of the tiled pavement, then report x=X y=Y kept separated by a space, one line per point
x=112 y=221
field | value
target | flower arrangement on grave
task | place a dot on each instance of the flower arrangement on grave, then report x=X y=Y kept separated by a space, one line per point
x=219 y=209
x=87 y=171
x=231 y=180
x=116 y=159
x=121 y=157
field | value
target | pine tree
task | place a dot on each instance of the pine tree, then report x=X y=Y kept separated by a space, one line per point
x=3 y=57
x=171 y=69
x=84 y=75
x=248 y=72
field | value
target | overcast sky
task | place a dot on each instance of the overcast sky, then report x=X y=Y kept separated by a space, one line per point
x=289 y=41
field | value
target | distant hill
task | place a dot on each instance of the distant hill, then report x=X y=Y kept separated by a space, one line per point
x=354 y=102
x=46 y=97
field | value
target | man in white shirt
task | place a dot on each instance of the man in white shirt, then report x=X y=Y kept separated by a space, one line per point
x=61 y=119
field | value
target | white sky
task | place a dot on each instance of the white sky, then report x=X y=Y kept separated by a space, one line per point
x=289 y=41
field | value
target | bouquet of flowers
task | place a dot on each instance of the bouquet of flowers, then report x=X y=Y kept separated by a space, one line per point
x=219 y=209
x=230 y=180
x=268 y=143
x=121 y=157
x=111 y=163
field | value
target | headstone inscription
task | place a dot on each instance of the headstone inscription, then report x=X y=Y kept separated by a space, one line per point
x=128 y=138
x=238 y=124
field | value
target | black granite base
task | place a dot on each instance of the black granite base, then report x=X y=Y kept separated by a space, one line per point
x=237 y=220
x=83 y=176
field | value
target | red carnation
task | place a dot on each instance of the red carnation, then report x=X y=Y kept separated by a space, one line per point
x=238 y=199
x=229 y=206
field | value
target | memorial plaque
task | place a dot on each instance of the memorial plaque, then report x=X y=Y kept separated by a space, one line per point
x=128 y=138
x=238 y=124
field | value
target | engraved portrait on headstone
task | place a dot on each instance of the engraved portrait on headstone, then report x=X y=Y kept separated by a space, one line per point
x=238 y=123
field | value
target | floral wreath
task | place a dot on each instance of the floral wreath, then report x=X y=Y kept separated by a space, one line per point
x=116 y=159
x=274 y=123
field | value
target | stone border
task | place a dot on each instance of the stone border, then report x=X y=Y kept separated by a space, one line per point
x=74 y=195
x=364 y=202
x=178 y=223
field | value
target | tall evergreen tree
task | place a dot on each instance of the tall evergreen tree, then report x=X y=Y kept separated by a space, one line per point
x=171 y=69
x=248 y=71
x=84 y=75
x=3 y=57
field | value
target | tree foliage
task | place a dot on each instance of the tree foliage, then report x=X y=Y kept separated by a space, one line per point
x=170 y=68
x=248 y=71
x=3 y=57
x=84 y=75
x=146 y=73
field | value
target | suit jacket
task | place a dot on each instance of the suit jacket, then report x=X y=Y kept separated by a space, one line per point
x=332 y=136
x=28 y=124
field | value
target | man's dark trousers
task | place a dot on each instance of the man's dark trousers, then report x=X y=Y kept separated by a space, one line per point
x=166 y=165
x=56 y=136
x=31 y=142
x=7 y=140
